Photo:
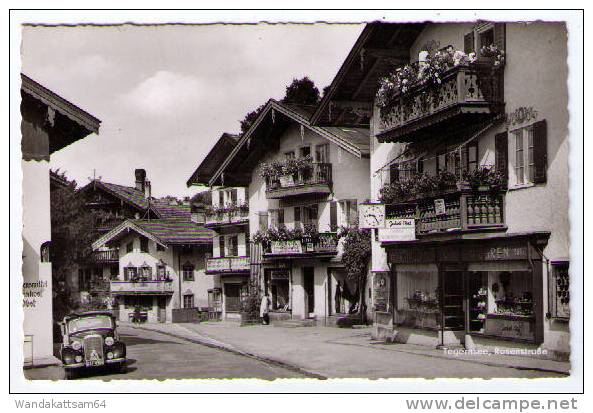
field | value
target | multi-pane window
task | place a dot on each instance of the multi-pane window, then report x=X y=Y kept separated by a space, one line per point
x=310 y=215
x=146 y=272
x=322 y=153
x=188 y=271
x=276 y=218
x=523 y=155
x=130 y=273
x=188 y=301
x=233 y=246
x=349 y=212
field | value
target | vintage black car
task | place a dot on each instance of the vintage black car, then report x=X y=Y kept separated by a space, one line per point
x=90 y=340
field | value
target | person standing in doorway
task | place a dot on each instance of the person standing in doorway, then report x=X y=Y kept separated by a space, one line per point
x=264 y=309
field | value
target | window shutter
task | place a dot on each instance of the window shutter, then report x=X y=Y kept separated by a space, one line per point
x=501 y=149
x=333 y=216
x=540 y=151
x=468 y=42
x=393 y=172
x=499 y=36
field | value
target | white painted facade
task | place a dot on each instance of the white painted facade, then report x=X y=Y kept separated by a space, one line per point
x=535 y=76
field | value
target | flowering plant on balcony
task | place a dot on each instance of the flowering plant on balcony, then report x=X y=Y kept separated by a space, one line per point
x=271 y=171
x=429 y=71
x=244 y=206
x=417 y=186
x=484 y=176
x=495 y=53
x=296 y=165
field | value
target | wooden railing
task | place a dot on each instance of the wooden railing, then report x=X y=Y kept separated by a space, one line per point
x=221 y=218
x=227 y=264
x=106 y=256
x=475 y=89
x=463 y=210
x=319 y=174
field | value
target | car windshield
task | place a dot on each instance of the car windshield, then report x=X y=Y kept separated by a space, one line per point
x=89 y=323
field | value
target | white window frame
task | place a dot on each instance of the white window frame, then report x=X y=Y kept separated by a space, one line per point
x=527 y=157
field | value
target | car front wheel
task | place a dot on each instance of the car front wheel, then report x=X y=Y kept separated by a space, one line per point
x=71 y=374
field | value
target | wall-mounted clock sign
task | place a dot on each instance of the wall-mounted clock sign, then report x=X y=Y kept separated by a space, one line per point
x=371 y=216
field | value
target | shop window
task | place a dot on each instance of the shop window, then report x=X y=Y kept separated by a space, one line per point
x=559 y=290
x=143 y=244
x=44 y=251
x=528 y=153
x=512 y=292
x=142 y=303
x=130 y=247
x=188 y=271
x=188 y=301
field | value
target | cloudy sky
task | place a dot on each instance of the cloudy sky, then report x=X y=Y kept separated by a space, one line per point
x=164 y=94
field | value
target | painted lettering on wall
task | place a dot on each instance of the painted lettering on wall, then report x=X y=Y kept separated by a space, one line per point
x=32 y=292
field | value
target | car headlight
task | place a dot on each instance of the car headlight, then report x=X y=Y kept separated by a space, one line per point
x=110 y=355
x=78 y=359
x=109 y=341
x=76 y=345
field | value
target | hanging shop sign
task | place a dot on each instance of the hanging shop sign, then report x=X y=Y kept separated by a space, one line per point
x=371 y=216
x=398 y=229
x=439 y=206
x=287 y=247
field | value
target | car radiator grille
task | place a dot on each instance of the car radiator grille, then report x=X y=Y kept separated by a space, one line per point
x=93 y=349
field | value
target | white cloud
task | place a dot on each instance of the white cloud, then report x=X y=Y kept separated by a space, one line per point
x=164 y=93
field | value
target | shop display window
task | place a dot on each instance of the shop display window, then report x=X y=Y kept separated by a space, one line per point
x=512 y=293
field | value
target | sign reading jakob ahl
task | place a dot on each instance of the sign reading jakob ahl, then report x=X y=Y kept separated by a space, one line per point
x=398 y=229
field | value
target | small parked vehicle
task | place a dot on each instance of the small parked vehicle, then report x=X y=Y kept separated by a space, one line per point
x=90 y=340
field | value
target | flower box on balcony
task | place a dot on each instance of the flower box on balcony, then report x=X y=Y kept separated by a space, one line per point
x=466 y=94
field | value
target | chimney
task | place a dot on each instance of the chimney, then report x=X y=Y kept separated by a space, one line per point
x=147 y=189
x=140 y=179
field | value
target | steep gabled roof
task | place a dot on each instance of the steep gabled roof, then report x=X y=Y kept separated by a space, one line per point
x=221 y=149
x=379 y=49
x=128 y=194
x=165 y=232
x=349 y=140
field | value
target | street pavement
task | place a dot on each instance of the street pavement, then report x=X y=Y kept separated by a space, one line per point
x=154 y=355
x=225 y=350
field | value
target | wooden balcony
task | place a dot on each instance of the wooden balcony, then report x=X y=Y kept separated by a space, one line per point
x=148 y=287
x=325 y=246
x=318 y=180
x=106 y=257
x=466 y=96
x=466 y=210
x=228 y=265
x=238 y=217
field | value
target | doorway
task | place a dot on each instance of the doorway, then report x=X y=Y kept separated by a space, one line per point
x=309 y=287
x=162 y=309
x=232 y=297
x=453 y=300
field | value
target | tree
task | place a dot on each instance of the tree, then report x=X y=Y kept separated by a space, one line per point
x=356 y=257
x=250 y=118
x=72 y=235
x=302 y=91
